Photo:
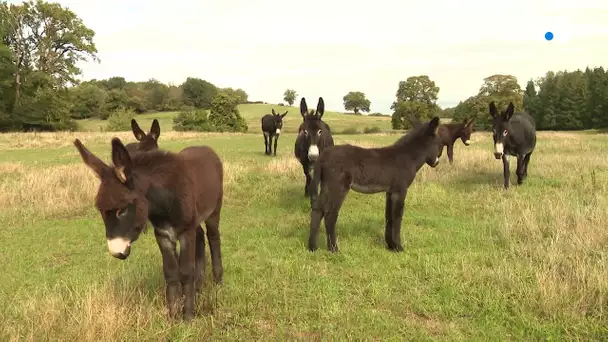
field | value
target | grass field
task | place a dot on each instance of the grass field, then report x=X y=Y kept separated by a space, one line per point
x=252 y=113
x=480 y=263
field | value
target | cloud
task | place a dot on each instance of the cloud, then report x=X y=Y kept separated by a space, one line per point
x=327 y=48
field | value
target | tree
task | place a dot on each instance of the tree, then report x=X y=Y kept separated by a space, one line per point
x=225 y=116
x=289 y=96
x=46 y=41
x=356 y=101
x=239 y=94
x=88 y=101
x=198 y=93
x=416 y=99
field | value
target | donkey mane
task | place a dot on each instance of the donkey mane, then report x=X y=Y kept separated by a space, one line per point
x=412 y=136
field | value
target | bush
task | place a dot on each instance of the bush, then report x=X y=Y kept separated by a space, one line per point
x=350 y=130
x=225 y=116
x=192 y=120
x=371 y=130
x=120 y=120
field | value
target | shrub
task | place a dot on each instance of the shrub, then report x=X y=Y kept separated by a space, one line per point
x=350 y=130
x=225 y=116
x=120 y=120
x=373 y=129
x=192 y=120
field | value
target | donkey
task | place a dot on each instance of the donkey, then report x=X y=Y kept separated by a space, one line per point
x=175 y=191
x=313 y=137
x=513 y=135
x=271 y=127
x=449 y=133
x=389 y=169
x=146 y=142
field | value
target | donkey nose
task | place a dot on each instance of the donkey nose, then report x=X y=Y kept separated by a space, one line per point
x=497 y=155
x=123 y=255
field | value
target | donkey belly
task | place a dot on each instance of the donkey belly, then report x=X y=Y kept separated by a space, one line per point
x=368 y=188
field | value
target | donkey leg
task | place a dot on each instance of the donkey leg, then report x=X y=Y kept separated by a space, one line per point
x=187 y=269
x=316 y=215
x=397 y=205
x=266 y=143
x=506 y=173
x=276 y=140
x=388 y=219
x=200 y=259
x=331 y=212
x=170 y=270
x=526 y=162
x=213 y=235
x=306 y=168
x=451 y=153
x=520 y=170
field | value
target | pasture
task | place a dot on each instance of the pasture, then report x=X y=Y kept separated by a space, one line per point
x=480 y=263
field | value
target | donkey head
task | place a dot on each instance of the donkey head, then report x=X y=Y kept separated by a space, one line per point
x=466 y=131
x=429 y=142
x=146 y=141
x=123 y=208
x=278 y=120
x=313 y=129
x=501 y=127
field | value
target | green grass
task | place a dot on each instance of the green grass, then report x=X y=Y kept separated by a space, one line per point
x=480 y=263
x=252 y=113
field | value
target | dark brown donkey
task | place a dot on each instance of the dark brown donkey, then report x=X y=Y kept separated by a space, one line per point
x=389 y=169
x=176 y=192
x=449 y=133
x=146 y=142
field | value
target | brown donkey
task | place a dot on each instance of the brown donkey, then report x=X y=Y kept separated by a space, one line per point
x=389 y=169
x=146 y=142
x=449 y=133
x=176 y=192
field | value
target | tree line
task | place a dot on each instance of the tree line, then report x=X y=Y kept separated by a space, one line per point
x=40 y=46
x=564 y=100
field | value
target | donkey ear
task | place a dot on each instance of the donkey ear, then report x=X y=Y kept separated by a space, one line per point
x=155 y=129
x=320 y=107
x=433 y=126
x=273 y=112
x=509 y=112
x=493 y=110
x=283 y=115
x=303 y=107
x=137 y=132
x=121 y=160
x=469 y=122
x=90 y=159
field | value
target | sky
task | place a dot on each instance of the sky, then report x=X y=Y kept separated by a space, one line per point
x=328 y=48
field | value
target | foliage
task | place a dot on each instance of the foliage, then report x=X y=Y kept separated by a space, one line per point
x=558 y=101
x=239 y=94
x=356 y=101
x=198 y=93
x=120 y=120
x=88 y=101
x=416 y=99
x=371 y=130
x=289 y=96
x=225 y=116
x=192 y=120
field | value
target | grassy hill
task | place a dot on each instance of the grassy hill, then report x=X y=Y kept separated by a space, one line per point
x=339 y=122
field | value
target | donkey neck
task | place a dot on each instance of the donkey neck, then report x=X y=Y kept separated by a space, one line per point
x=453 y=130
x=409 y=151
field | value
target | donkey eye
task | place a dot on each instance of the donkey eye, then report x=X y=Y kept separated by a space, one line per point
x=121 y=212
x=305 y=132
x=319 y=133
x=505 y=133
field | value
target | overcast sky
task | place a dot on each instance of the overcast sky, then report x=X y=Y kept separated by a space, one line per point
x=327 y=48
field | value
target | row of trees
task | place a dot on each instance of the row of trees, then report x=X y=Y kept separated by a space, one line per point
x=558 y=101
x=41 y=44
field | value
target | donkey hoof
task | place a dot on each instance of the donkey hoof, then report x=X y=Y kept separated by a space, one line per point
x=396 y=248
x=333 y=249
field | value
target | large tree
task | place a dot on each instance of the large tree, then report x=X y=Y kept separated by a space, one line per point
x=198 y=93
x=46 y=41
x=356 y=101
x=416 y=100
